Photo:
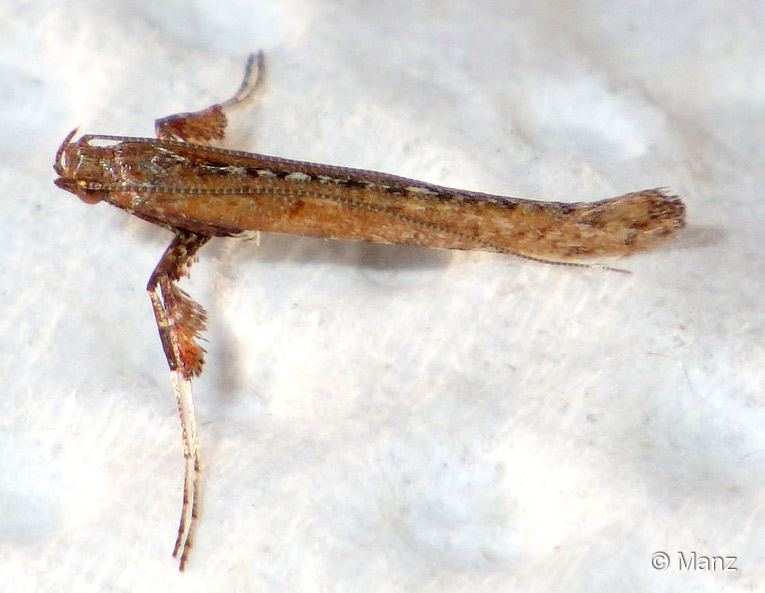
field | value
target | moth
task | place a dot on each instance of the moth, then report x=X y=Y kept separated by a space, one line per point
x=197 y=191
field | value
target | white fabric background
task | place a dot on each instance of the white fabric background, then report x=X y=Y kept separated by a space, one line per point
x=384 y=418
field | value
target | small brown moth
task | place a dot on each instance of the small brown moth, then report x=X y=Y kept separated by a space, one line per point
x=179 y=182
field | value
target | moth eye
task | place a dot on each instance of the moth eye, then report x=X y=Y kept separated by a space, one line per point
x=87 y=194
x=90 y=196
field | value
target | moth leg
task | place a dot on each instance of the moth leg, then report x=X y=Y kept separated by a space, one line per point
x=208 y=125
x=180 y=322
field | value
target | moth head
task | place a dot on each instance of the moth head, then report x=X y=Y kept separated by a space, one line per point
x=78 y=170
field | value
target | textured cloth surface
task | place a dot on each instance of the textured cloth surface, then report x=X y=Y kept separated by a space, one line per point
x=379 y=418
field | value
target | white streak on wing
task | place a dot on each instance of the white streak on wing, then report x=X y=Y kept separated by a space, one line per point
x=298 y=176
x=420 y=190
